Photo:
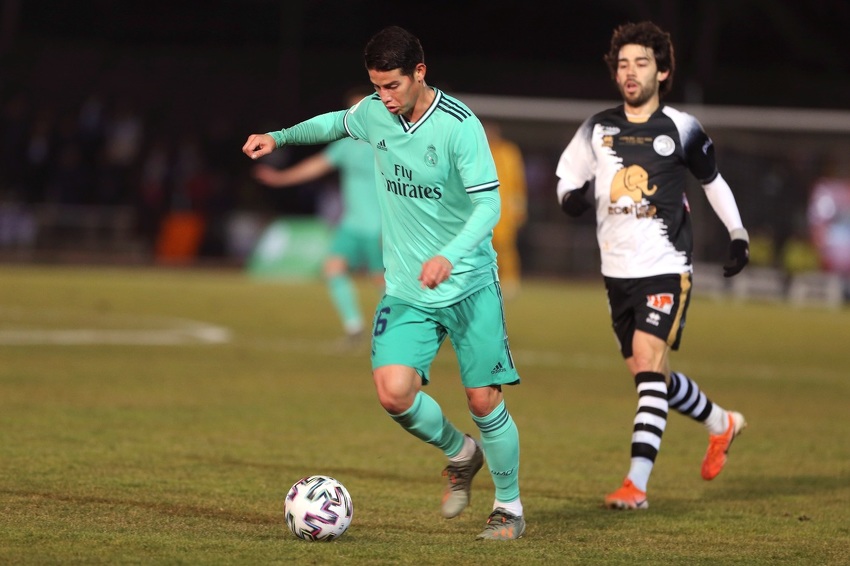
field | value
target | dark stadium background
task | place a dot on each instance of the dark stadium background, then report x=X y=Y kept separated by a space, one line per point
x=752 y=52
x=210 y=72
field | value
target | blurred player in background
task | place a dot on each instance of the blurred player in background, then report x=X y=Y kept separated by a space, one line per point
x=439 y=200
x=514 y=193
x=630 y=165
x=356 y=240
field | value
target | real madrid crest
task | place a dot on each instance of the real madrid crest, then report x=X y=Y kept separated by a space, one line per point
x=431 y=156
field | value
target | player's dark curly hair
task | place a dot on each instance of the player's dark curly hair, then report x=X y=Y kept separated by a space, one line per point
x=393 y=48
x=649 y=35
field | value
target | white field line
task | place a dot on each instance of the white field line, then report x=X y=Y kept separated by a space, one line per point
x=159 y=331
x=169 y=331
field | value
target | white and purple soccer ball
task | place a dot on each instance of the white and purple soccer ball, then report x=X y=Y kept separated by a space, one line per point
x=318 y=508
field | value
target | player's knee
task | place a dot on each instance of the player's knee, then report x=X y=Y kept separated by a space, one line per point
x=396 y=388
x=483 y=400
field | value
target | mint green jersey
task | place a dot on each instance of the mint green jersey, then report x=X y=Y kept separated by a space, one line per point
x=356 y=165
x=437 y=189
x=426 y=173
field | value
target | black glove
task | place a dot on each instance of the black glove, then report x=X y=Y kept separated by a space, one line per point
x=739 y=256
x=575 y=203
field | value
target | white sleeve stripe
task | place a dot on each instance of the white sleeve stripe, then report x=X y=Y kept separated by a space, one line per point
x=483 y=187
x=345 y=124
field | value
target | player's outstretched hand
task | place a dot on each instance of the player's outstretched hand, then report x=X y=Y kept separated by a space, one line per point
x=739 y=256
x=259 y=145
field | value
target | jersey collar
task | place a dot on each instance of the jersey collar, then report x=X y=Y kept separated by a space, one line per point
x=411 y=127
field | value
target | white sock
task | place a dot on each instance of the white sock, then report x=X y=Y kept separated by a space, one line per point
x=639 y=472
x=466 y=451
x=353 y=326
x=514 y=507
x=717 y=421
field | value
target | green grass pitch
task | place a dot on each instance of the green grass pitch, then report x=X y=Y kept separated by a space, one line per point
x=152 y=416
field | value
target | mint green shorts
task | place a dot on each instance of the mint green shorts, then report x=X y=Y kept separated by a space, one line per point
x=361 y=251
x=411 y=335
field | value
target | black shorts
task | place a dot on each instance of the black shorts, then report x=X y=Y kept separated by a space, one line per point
x=656 y=305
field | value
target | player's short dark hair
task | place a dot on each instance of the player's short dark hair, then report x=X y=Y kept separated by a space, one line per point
x=393 y=48
x=649 y=35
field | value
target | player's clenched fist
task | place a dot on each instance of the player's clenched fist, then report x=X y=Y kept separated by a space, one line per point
x=258 y=145
x=435 y=271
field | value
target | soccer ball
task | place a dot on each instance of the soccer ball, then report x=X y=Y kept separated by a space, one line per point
x=318 y=508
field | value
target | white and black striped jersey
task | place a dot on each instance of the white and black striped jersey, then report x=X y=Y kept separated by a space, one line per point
x=638 y=176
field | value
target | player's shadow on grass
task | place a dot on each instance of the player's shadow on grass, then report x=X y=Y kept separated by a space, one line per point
x=578 y=510
x=295 y=468
x=751 y=488
x=169 y=508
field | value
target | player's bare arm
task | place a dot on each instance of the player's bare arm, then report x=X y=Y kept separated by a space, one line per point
x=304 y=171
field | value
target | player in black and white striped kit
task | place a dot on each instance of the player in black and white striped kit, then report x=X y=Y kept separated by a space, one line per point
x=630 y=165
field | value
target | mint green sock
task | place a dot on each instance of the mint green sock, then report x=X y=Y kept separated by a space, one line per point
x=425 y=420
x=500 y=442
x=344 y=297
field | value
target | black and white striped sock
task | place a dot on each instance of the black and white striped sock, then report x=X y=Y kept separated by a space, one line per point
x=649 y=424
x=686 y=397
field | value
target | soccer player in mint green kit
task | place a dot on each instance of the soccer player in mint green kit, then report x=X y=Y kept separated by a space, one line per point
x=439 y=199
x=356 y=240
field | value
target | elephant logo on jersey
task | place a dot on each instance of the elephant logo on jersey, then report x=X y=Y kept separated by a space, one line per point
x=631 y=181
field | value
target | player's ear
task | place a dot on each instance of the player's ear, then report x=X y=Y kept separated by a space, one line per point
x=662 y=76
x=419 y=72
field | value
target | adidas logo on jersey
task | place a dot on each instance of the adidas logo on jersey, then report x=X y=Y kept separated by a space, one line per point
x=382 y=145
x=498 y=369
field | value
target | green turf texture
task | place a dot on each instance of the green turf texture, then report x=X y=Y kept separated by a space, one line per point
x=126 y=452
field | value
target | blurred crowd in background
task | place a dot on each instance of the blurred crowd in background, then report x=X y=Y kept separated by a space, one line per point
x=106 y=155
x=134 y=156
x=104 y=172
